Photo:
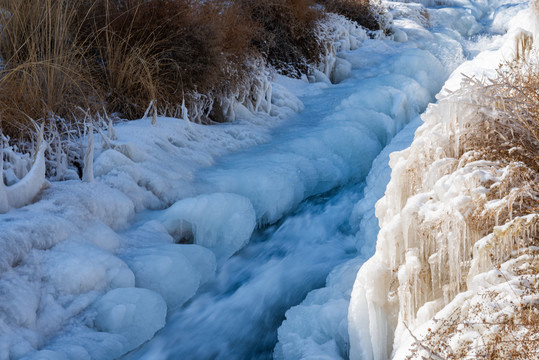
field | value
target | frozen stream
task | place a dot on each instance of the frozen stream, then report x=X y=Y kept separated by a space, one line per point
x=264 y=221
x=323 y=154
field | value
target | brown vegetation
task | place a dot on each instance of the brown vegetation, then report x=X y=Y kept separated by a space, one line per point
x=288 y=38
x=63 y=60
x=43 y=70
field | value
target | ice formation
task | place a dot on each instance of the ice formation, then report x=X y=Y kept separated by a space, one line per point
x=444 y=31
x=440 y=203
x=25 y=190
x=133 y=313
x=221 y=222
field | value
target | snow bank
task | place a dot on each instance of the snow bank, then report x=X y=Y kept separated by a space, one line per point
x=423 y=251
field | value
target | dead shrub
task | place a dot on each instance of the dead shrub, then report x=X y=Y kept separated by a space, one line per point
x=509 y=116
x=43 y=70
x=288 y=37
x=164 y=51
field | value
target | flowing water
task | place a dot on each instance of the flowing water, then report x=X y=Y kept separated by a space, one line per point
x=307 y=179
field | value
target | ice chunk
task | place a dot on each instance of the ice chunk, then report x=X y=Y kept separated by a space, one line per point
x=135 y=313
x=47 y=355
x=173 y=271
x=341 y=71
x=220 y=222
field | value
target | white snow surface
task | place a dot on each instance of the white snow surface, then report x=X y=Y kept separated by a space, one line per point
x=89 y=270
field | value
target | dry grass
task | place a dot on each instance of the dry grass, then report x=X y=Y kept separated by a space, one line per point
x=288 y=37
x=508 y=123
x=494 y=325
x=506 y=130
x=64 y=59
x=43 y=70
x=174 y=49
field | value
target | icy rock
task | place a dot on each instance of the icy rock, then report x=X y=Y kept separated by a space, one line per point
x=173 y=271
x=137 y=314
x=76 y=268
x=220 y=222
x=282 y=97
x=318 y=76
x=83 y=343
x=103 y=237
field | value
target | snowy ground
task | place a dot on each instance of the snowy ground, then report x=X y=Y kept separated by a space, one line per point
x=215 y=232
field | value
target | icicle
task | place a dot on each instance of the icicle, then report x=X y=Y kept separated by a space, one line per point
x=88 y=171
x=24 y=191
x=184 y=111
x=4 y=206
x=148 y=109
x=111 y=131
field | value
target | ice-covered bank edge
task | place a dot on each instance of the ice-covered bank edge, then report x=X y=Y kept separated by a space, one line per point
x=79 y=279
x=442 y=202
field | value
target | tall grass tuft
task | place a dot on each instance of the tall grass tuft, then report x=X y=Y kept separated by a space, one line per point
x=163 y=51
x=43 y=68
